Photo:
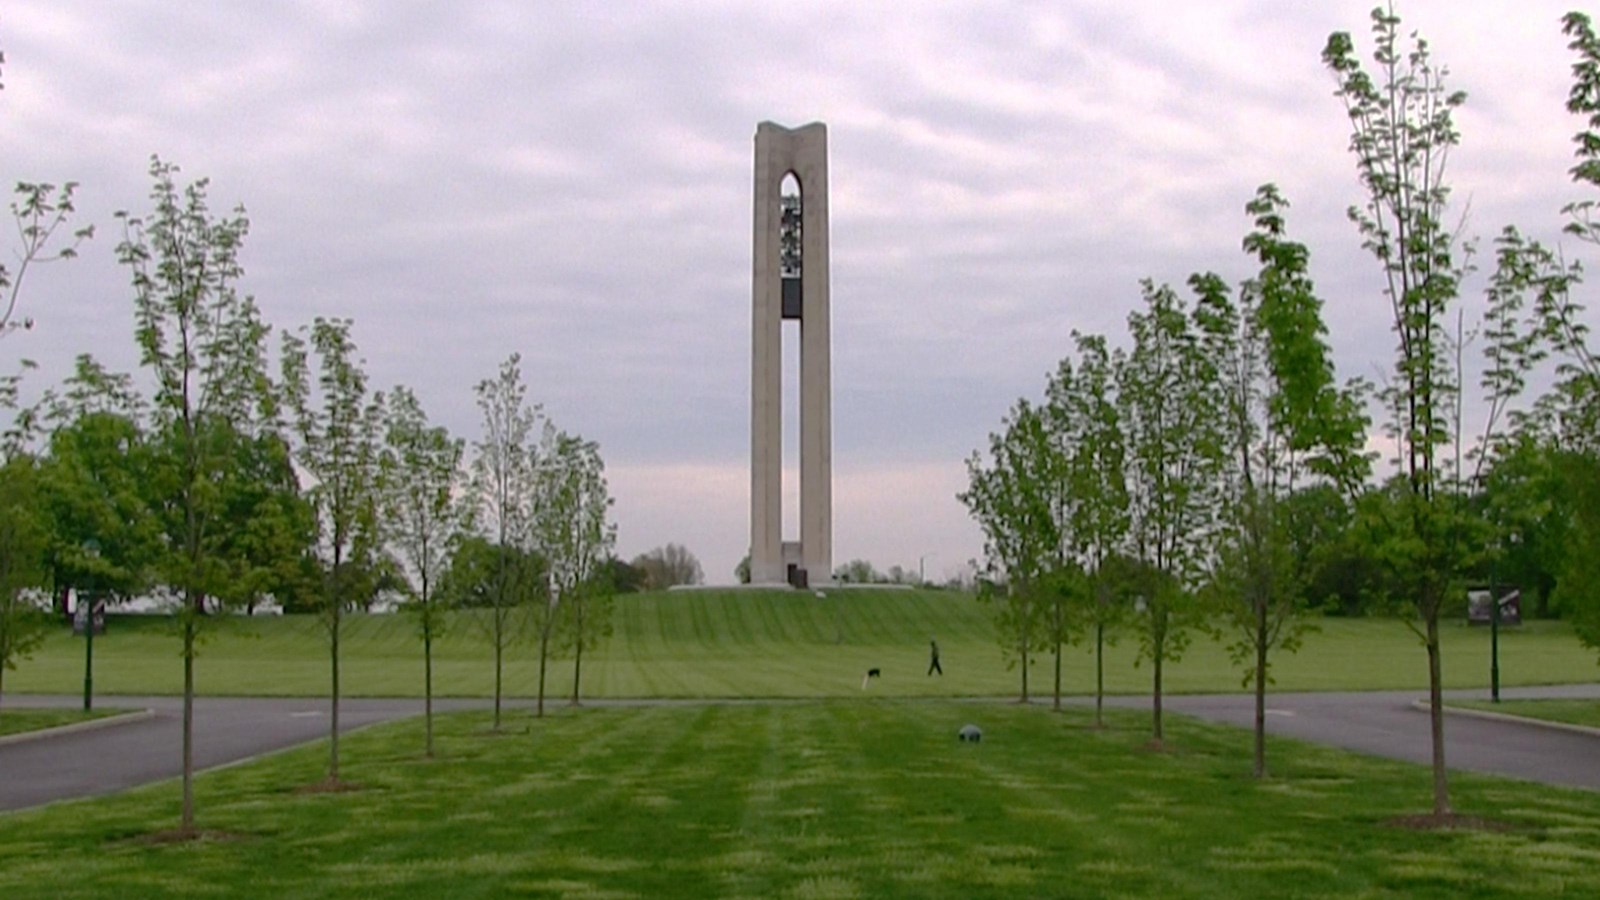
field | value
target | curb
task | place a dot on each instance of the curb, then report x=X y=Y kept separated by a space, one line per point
x=1508 y=717
x=127 y=718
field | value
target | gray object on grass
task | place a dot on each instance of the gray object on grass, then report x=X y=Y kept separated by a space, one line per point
x=971 y=733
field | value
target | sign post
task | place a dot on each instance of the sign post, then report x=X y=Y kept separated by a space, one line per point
x=1494 y=607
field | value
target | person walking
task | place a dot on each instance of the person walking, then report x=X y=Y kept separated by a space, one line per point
x=933 y=658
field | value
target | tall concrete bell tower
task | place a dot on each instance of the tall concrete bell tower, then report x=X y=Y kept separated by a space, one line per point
x=790 y=269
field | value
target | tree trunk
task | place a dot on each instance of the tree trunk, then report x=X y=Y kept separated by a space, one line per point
x=333 y=725
x=1058 y=676
x=499 y=614
x=1024 y=672
x=186 y=817
x=544 y=646
x=1056 y=639
x=1441 y=785
x=577 y=666
x=1260 y=767
x=499 y=651
x=1099 y=674
x=427 y=686
x=1156 y=660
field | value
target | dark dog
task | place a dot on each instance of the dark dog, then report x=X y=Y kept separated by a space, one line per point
x=871 y=674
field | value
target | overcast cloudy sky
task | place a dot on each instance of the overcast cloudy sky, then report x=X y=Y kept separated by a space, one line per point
x=571 y=181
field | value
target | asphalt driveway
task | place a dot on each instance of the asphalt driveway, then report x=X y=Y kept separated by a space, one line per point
x=227 y=729
x=1387 y=723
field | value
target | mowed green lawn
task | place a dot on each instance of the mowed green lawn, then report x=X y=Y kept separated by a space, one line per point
x=811 y=799
x=700 y=644
x=20 y=720
x=1572 y=712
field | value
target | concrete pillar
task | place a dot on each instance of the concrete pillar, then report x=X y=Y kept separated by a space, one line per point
x=779 y=152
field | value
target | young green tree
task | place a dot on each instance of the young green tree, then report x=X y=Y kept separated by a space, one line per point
x=40 y=210
x=1402 y=135
x=1057 y=453
x=1169 y=393
x=1575 y=400
x=1559 y=314
x=336 y=426
x=503 y=493
x=857 y=571
x=1513 y=454
x=1584 y=100
x=1087 y=437
x=1101 y=525
x=1402 y=131
x=669 y=565
x=622 y=577
x=19 y=432
x=1578 y=587
x=575 y=537
x=1289 y=425
x=22 y=546
x=1064 y=583
x=95 y=484
x=471 y=573
x=273 y=531
x=424 y=518
x=1012 y=498
x=204 y=345
x=1530 y=513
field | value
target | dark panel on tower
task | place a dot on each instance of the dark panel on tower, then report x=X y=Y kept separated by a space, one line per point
x=791 y=298
x=790 y=262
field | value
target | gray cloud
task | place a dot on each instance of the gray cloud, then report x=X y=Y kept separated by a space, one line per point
x=572 y=181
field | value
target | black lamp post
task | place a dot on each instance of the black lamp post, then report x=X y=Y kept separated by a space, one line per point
x=91 y=549
x=1493 y=633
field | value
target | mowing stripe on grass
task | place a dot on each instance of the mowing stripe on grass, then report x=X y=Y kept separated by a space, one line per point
x=812 y=799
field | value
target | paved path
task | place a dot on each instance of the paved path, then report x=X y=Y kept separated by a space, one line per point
x=1385 y=723
x=229 y=729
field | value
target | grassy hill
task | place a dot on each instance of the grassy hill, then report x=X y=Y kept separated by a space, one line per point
x=732 y=643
